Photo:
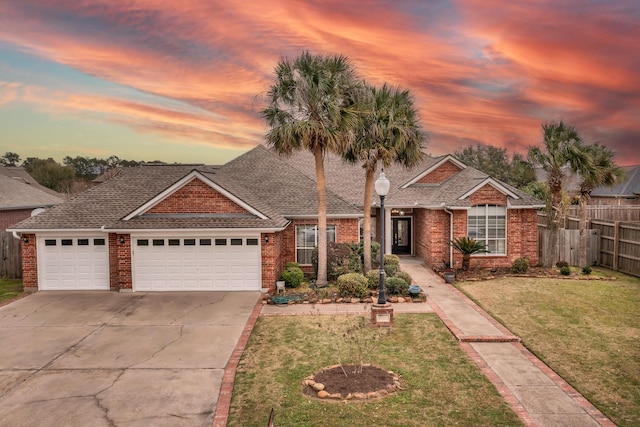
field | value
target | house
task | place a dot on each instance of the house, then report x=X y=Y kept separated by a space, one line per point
x=625 y=193
x=21 y=195
x=234 y=227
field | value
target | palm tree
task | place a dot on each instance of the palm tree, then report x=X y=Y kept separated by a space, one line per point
x=562 y=147
x=312 y=107
x=602 y=171
x=467 y=247
x=389 y=132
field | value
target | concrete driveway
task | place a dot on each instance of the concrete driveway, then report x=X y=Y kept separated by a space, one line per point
x=117 y=359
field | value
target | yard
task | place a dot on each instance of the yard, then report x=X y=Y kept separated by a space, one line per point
x=10 y=289
x=587 y=331
x=440 y=385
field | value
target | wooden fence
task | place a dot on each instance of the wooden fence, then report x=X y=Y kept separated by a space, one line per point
x=608 y=212
x=10 y=256
x=611 y=244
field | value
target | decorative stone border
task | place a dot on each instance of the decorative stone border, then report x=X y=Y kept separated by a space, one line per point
x=321 y=393
x=536 y=276
x=421 y=298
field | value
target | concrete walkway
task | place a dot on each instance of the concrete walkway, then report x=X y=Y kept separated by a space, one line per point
x=535 y=392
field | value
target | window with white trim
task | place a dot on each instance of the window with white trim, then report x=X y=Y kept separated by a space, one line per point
x=488 y=224
x=307 y=239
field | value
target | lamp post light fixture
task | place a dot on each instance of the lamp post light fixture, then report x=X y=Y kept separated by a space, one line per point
x=382 y=313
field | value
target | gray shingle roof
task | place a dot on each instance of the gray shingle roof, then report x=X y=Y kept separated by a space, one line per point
x=630 y=187
x=17 y=194
x=21 y=175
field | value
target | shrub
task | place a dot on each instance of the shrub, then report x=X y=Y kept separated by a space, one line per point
x=520 y=266
x=375 y=254
x=565 y=271
x=391 y=269
x=292 y=277
x=391 y=259
x=353 y=285
x=396 y=286
x=342 y=258
x=561 y=264
x=373 y=279
x=291 y=264
x=587 y=269
x=405 y=276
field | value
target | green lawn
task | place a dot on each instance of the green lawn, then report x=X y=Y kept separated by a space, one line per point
x=442 y=387
x=587 y=331
x=10 y=289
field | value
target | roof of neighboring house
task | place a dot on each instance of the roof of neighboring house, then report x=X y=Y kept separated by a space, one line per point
x=347 y=180
x=17 y=194
x=629 y=187
x=20 y=174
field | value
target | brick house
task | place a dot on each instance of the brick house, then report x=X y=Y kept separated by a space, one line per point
x=234 y=227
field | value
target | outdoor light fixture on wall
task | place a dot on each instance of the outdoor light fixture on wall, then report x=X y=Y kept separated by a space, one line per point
x=266 y=239
x=25 y=239
x=122 y=240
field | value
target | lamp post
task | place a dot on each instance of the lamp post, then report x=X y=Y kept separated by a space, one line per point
x=382 y=188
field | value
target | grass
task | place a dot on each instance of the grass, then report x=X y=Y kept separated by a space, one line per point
x=587 y=331
x=441 y=386
x=10 y=289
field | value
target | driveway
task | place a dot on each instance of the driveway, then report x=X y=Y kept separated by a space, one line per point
x=117 y=359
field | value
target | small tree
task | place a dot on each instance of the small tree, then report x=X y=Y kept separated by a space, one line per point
x=467 y=247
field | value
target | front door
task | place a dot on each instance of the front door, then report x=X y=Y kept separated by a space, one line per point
x=401 y=236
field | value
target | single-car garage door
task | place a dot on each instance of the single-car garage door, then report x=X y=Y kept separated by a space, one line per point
x=196 y=263
x=73 y=262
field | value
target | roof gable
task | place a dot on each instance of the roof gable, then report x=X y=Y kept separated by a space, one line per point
x=492 y=183
x=195 y=194
x=439 y=172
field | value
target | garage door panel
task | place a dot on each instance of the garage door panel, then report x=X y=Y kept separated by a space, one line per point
x=202 y=266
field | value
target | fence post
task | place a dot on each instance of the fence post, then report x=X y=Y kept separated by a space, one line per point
x=616 y=244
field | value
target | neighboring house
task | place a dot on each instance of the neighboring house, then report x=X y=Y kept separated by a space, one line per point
x=624 y=193
x=234 y=227
x=20 y=195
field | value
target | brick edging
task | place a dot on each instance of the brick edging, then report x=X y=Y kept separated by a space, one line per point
x=226 y=388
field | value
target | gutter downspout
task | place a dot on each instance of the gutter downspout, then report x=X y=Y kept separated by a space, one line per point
x=15 y=234
x=450 y=233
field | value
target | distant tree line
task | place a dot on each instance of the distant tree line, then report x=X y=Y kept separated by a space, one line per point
x=73 y=175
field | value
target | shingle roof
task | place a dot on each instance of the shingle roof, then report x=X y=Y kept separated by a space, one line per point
x=16 y=194
x=21 y=175
x=630 y=187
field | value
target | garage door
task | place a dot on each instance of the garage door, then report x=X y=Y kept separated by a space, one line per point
x=196 y=264
x=73 y=262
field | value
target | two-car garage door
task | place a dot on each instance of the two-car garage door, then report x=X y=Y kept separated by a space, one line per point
x=196 y=263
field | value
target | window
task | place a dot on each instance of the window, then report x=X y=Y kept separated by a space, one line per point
x=50 y=242
x=488 y=224
x=66 y=242
x=221 y=242
x=307 y=239
x=205 y=242
x=252 y=242
x=83 y=242
x=189 y=242
x=142 y=242
x=174 y=242
x=158 y=242
x=236 y=242
x=98 y=242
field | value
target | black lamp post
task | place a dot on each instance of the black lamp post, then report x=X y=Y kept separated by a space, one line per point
x=382 y=188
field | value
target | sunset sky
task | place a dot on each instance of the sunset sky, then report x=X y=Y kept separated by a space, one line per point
x=185 y=81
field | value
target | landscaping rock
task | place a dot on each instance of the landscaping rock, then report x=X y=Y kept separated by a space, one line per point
x=318 y=386
x=323 y=394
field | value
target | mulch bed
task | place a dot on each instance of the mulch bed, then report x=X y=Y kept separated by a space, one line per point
x=332 y=383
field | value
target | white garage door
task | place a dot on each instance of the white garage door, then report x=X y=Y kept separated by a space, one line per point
x=73 y=262
x=196 y=264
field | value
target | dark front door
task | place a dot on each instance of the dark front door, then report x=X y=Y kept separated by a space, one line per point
x=401 y=236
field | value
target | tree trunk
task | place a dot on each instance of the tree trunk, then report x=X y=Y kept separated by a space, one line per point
x=366 y=224
x=321 y=187
x=583 y=233
x=466 y=261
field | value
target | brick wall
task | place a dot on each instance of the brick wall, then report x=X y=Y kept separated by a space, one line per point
x=124 y=261
x=30 y=263
x=271 y=253
x=113 y=261
x=440 y=174
x=9 y=218
x=488 y=195
x=197 y=197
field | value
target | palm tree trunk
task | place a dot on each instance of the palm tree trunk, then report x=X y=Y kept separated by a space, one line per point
x=366 y=225
x=321 y=186
x=583 y=234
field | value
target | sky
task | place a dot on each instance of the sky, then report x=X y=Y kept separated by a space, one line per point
x=185 y=81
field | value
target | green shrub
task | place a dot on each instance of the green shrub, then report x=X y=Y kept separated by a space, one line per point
x=565 y=271
x=342 y=258
x=353 y=285
x=292 y=277
x=373 y=279
x=561 y=264
x=587 y=269
x=391 y=259
x=396 y=286
x=391 y=269
x=291 y=264
x=405 y=276
x=375 y=254
x=520 y=266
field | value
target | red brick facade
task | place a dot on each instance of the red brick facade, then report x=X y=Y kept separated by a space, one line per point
x=124 y=261
x=440 y=174
x=488 y=195
x=9 y=218
x=29 y=263
x=114 y=283
x=197 y=197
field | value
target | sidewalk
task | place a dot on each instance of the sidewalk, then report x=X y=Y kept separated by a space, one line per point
x=535 y=392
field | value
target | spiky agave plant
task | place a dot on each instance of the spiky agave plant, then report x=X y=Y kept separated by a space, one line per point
x=467 y=247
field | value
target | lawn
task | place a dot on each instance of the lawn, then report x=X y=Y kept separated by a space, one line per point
x=10 y=289
x=587 y=331
x=441 y=386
